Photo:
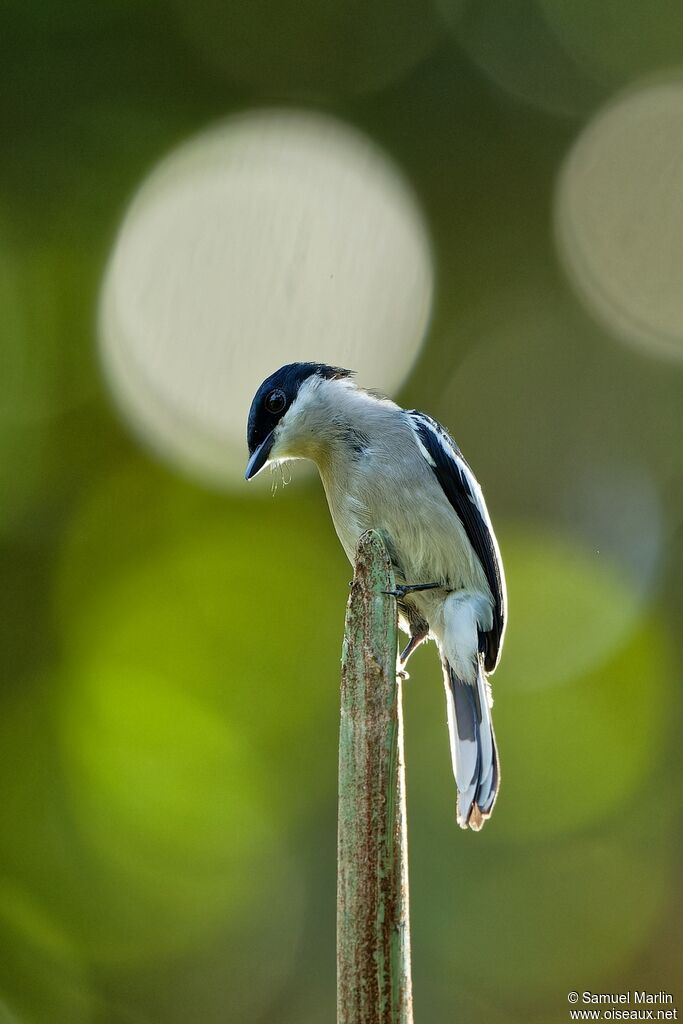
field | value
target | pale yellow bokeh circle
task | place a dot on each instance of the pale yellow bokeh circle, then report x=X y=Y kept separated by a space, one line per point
x=619 y=217
x=272 y=237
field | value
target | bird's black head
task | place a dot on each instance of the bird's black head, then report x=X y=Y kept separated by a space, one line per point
x=271 y=402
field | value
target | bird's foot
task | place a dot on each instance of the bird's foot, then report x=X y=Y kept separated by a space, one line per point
x=410 y=588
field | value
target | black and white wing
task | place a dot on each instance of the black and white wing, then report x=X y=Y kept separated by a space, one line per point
x=464 y=493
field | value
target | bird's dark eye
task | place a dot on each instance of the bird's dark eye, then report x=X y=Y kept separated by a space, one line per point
x=276 y=401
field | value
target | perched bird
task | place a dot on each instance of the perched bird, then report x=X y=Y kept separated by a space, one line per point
x=399 y=472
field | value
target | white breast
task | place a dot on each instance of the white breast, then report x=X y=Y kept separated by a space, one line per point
x=392 y=489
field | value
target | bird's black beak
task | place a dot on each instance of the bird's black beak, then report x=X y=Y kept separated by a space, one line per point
x=259 y=457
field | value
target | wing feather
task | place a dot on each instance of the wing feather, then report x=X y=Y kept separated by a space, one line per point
x=460 y=486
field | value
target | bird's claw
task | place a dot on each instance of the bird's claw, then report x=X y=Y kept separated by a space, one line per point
x=402 y=589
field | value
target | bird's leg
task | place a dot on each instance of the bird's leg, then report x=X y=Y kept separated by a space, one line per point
x=415 y=640
x=410 y=588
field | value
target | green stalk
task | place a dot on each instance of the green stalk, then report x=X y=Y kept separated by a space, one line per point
x=373 y=932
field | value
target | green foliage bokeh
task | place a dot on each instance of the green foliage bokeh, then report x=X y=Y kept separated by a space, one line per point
x=169 y=656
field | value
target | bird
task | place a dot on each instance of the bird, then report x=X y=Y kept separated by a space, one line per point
x=399 y=472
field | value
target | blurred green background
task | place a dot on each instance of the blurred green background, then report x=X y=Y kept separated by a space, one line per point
x=169 y=653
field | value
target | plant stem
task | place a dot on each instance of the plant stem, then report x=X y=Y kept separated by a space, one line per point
x=373 y=933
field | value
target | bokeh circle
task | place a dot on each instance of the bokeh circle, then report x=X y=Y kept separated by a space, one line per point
x=619 y=217
x=272 y=237
x=583 y=695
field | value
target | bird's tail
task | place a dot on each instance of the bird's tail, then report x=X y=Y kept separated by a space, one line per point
x=473 y=746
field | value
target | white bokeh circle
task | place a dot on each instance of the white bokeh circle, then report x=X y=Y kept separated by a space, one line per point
x=274 y=236
x=619 y=217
